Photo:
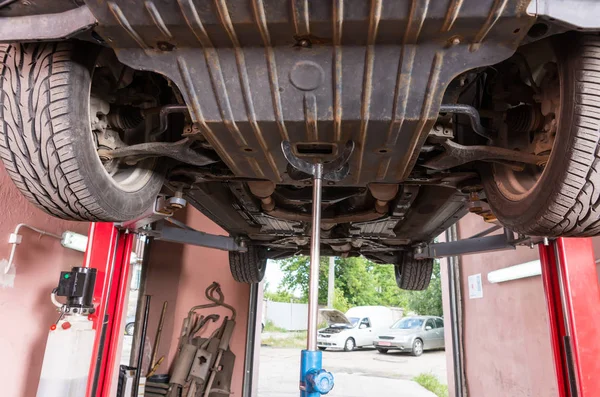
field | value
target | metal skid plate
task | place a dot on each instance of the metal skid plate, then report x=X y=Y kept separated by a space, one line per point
x=258 y=72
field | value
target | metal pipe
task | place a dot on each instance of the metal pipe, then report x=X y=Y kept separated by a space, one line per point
x=251 y=345
x=15 y=243
x=452 y=261
x=157 y=337
x=473 y=115
x=138 y=371
x=315 y=252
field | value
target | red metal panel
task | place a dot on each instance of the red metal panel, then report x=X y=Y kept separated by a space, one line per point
x=108 y=251
x=118 y=307
x=555 y=315
x=582 y=295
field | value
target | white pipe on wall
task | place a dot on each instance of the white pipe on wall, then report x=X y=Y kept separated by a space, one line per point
x=523 y=270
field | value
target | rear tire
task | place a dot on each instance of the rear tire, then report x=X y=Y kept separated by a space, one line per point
x=413 y=274
x=564 y=200
x=248 y=267
x=322 y=348
x=46 y=141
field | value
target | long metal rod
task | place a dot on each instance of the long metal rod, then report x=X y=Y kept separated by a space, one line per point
x=451 y=235
x=315 y=254
x=251 y=344
x=138 y=371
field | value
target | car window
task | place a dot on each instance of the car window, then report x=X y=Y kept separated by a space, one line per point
x=430 y=323
x=366 y=321
x=408 y=323
x=439 y=323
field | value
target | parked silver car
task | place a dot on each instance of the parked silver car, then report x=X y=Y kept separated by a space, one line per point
x=414 y=334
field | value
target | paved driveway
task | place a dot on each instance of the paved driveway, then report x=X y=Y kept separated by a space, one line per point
x=357 y=374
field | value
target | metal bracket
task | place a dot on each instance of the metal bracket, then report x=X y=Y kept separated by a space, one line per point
x=163 y=208
x=194 y=237
x=335 y=170
x=476 y=244
x=456 y=154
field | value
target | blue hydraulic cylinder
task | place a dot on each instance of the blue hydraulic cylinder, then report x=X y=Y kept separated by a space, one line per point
x=314 y=380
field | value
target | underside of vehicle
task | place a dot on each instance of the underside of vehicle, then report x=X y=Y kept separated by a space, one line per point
x=488 y=106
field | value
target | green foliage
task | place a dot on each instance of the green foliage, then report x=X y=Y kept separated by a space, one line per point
x=339 y=301
x=280 y=295
x=429 y=302
x=431 y=383
x=358 y=282
x=271 y=327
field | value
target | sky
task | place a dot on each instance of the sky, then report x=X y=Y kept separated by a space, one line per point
x=273 y=276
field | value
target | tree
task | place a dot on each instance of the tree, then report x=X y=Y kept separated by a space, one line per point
x=359 y=282
x=280 y=295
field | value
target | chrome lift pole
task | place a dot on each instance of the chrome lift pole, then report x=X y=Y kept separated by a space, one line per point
x=314 y=380
x=315 y=258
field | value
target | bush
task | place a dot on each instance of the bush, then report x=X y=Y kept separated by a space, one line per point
x=431 y=383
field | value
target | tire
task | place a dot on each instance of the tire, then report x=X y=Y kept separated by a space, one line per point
x=413 y=274
x=46 y=142
x=382 y=351
x=248 y=267
x=129 y=329
x=321 y=348
x=417 y=348
x=349 y=345
x=564 y=201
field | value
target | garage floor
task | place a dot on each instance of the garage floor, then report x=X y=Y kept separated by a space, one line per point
x=357 y=374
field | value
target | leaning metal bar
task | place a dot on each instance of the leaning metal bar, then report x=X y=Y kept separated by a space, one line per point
x=315 y=252
x=486 y=231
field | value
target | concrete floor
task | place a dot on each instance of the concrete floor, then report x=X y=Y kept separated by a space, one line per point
x=360 y=373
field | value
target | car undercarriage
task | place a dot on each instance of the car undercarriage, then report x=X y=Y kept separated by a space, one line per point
x=451 y=106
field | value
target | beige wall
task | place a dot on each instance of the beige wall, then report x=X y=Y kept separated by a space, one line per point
x=26 y=312
x=507 y=341
x=180 y=274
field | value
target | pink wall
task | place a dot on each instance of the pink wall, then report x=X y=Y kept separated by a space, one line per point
x=25 y=308
x=507 y=342
x=180 y=274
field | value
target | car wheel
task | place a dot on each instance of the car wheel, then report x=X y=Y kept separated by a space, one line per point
x=129 y=328
x=349 y=345
x=413 y=274
x=417 y=347
x=560 y=198
x=382 y=351
x=322 y=348
x=248 y=267
x=47 y=142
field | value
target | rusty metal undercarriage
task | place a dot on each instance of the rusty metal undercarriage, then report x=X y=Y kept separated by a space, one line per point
x=248 y=75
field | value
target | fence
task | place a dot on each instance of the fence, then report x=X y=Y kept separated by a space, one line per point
x=289 y=316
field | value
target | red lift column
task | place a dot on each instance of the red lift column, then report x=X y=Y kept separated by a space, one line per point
x=573 y=297
x=108 y=251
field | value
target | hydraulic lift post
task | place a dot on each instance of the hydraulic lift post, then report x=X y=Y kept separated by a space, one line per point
x=573 y=298
x=108 y=251
x=314 y=380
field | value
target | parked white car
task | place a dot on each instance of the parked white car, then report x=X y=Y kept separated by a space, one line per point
x=357 y=328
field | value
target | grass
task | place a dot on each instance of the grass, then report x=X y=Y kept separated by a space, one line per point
x=270 y=327
x=431 y=383
x=292 y=340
